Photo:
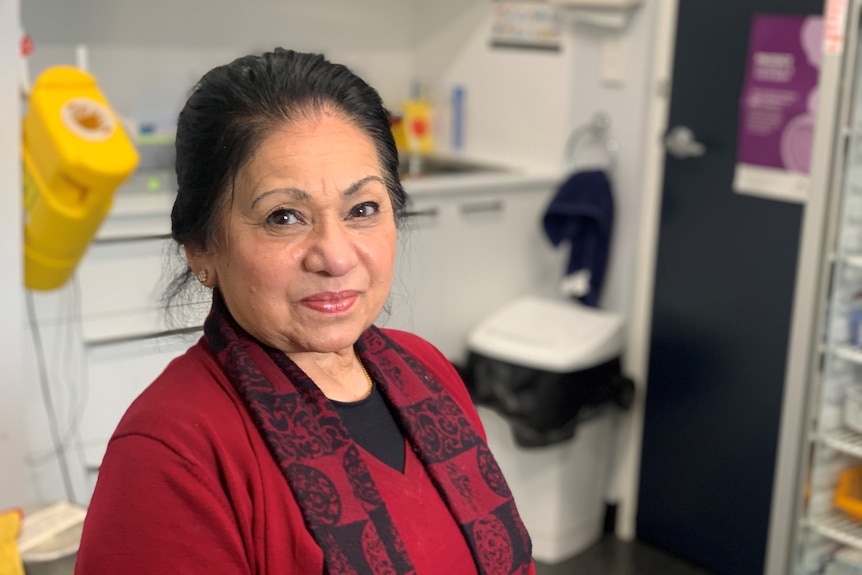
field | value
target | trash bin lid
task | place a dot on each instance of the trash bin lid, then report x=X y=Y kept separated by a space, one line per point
x=553 y=335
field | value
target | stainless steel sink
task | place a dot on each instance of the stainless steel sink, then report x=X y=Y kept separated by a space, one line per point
x=417 y=166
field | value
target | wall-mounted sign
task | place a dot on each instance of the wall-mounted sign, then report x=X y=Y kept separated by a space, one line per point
x=525 y=25
x=778 y=106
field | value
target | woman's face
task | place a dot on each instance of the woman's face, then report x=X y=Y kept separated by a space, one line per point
x=307 y=246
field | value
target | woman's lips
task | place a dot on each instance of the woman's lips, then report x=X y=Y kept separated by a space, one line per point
x=331 y=302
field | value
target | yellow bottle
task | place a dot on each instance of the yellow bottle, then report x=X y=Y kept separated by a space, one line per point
x=418 y=135
x=75 y=154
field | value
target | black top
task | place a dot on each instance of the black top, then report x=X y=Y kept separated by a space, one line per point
x=371 y=425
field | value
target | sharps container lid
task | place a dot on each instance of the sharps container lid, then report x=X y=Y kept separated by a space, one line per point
x=547 y=334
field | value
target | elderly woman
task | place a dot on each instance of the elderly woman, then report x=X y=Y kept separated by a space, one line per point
x=295 y=436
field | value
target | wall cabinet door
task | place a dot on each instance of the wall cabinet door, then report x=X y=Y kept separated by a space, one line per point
x=415 y=298
x=500 y=253
x=117 y=375
x=463 y=255
x=120 y=289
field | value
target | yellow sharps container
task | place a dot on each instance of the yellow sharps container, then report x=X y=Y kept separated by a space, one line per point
x=76 y=154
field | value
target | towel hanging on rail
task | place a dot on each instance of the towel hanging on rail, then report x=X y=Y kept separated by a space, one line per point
x=581 y=213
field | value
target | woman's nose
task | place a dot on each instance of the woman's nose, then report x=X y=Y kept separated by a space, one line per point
x=331 y=249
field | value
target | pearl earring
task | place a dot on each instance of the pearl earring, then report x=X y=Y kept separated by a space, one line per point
x=202 y=276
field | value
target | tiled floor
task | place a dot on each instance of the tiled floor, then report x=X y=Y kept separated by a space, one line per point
x=611 y=556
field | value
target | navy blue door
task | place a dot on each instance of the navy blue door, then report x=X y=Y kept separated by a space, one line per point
x=721 y=314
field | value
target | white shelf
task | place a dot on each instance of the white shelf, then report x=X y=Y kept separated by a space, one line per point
x=854 y=260
x=839 y=527
x=848 y=352
x=845 y=441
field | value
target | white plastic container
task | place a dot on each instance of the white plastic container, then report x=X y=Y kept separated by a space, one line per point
x=549 y=334
x=50 y=537
x=55 y=556
x=560 y=489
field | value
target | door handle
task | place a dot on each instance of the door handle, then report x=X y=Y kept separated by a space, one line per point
x=681 y=143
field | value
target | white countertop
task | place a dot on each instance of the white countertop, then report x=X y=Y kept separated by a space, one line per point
x=455 y=183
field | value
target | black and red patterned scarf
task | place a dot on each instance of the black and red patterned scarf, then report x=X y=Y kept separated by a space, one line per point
x=325 y=470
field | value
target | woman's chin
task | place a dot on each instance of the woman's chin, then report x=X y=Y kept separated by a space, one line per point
x=330 y=340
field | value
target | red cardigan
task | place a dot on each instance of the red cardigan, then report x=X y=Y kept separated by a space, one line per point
x=187 y=485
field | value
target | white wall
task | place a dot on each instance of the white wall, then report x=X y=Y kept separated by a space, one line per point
x=13 y=491
x=518 y=102
x=257 y=24
x=627 y=106
x=630 y=105
x=147 y=55
x=522 y=105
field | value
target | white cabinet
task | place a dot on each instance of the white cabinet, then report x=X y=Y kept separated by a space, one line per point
x=466 y=252
x=413 y=303
x=102 y=337
x=125 y=270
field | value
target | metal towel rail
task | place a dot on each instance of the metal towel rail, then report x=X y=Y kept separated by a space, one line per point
x=595 y=132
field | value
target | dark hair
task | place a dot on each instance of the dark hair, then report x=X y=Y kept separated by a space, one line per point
x=234 y=107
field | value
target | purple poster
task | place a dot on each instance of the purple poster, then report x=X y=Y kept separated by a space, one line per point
x=778 y=106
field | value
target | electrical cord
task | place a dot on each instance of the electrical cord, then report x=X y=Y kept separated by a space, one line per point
x=47 y=397
x=77 y=395
x=84 y=396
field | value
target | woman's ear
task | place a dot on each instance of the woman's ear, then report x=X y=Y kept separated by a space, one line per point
x=201 y=264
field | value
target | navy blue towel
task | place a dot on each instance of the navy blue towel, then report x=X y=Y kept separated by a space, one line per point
x=582 y=213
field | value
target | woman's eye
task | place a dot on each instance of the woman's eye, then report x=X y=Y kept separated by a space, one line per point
x=283 y=217
x=365 y=210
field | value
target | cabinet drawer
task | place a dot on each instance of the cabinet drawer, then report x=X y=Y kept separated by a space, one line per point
x=122 y=277
x=116 y=376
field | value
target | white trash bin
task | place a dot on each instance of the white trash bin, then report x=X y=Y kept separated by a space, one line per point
x=544 y=374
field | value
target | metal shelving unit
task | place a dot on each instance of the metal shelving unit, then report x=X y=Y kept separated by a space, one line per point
x=833 y=446
x=839 y=528
x=845 y=441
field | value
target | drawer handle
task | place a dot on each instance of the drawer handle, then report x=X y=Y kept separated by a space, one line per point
x=129 y=239
x=142 y=336
x=427 y=213
x=482 y=207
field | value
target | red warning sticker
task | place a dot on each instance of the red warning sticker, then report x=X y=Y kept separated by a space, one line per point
x=833 y=26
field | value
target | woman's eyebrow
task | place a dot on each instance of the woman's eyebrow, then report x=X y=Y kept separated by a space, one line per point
x=356 y=186
x=296 y=193
x=302 y=195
